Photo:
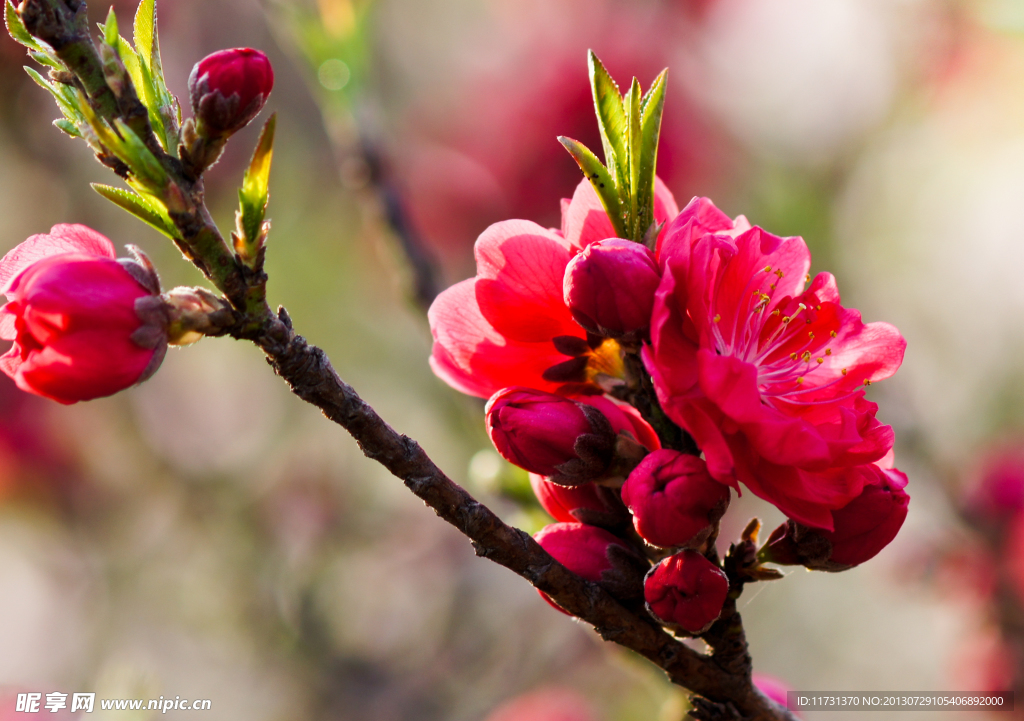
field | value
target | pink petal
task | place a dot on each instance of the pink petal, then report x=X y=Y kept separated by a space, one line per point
x=64 y=238
x=7 y=329
x=520 y=269
x=473 y=357
x=585 y=220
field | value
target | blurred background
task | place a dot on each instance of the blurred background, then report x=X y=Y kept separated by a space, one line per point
x=206 y=535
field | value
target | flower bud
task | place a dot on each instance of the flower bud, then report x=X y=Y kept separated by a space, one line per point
x=686 y=591
x=596 y=555
x=228 y=89
x=550 y=435
x=863 y=527
x=609 y=287
x=589 y=503
x=82 y=322
x=996 y=494
x=673 y=499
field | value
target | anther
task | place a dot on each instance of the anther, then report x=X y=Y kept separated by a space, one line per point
x=806 y=355
x=828 y=351
x=767 y=269
x=820 y=361
x=833 y=333
x=717 y=317
x=844 y=371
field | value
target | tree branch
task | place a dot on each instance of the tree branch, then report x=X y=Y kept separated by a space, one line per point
x=722 y=678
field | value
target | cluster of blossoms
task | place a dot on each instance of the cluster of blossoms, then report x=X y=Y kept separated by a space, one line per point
x=85 y=324
x=567 y=331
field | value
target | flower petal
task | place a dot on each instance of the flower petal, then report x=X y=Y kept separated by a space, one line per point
x=64 y=238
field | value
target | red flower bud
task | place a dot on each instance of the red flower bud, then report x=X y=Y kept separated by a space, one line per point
x=229 y=88
x=589 y=503
x=609 y=287
x=673 y=499
x=596 y=555
x=686 y=590
x=84 y=324
x=550 y=435
x=863 y=527
x=997 y=492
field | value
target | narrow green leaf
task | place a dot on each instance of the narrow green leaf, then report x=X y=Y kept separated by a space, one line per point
x=66 y=100
x=141 y=159
x=611 y=116
x=255 y=190
x=110 y=34
x=600 y=178
x=17 y=28
x=68 y=127
x=632 y=102
x=131 y=61
x=137 y=206
x=145 y=23
x=650 y=130
x=46 y=59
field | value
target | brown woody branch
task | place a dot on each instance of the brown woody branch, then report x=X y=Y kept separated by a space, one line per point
x=723 y=678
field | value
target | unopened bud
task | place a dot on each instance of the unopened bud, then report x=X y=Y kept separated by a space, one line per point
x=673 y=499
x=589 y=503
x=863 y=527
x=609 y=287
x=550 y=435
x=194 y=313
x=228 y=89
x=686 y=591
x=596 y=555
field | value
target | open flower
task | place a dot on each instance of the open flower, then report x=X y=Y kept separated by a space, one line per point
x=763 y=370
x=74 y=317
x=509 y=325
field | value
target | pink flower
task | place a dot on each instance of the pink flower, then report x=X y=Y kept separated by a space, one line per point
x=764 y=371
x=686 y=590
x=863 y=527
x=72 y=317
x=673 y=500
x=588 y=503
x=609 y=287
x=596 y=555
x=997 y=493
x=229 y=88
x=773 y=688
x=509 y=326
x=547 y=704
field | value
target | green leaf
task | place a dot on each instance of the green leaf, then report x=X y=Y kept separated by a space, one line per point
x=131 y=151
x=148 y=76
x=110 y=34
x=145 y=30
x=139 y=207
x=131 y=61
x=66 y=98
x=653 y=105
x=17 y=28
x=611 y=116
x=600 y=178
x=46 y=59
x=68 y=127
x=632 y=103
x=255 y=190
